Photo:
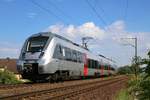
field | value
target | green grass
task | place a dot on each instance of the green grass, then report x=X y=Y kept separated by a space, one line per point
x=7 y=77
x=123 y=95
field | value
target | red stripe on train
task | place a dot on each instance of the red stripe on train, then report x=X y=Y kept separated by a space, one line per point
x=102 y=70
x=85 y=70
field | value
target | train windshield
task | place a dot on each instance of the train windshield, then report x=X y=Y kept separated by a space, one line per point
x=36 y=44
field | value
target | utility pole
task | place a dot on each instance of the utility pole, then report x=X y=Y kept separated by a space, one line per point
x=136 y=64
x=135 y=47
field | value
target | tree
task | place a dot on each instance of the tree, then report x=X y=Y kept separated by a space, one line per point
x=136 y=62
x=147 y=62
x=125 y=70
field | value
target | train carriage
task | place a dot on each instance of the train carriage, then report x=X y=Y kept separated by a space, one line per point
x=49 y=56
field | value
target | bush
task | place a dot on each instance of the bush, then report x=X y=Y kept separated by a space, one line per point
x=140 y=87
x=7 y=77
x=134 y=84
x=145 y=89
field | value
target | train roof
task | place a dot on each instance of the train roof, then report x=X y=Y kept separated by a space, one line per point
x=50 y=34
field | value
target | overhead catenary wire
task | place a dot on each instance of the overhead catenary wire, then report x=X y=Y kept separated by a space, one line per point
x=101 y=8
x=60 y=10
x=46 y=10
x=97 y=14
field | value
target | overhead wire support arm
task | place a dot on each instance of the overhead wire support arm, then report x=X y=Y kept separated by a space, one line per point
x=85 y=41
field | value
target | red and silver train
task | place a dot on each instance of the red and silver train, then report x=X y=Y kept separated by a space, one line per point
x=48 y=56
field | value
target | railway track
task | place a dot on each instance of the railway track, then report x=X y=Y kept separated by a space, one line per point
x=65 y=91
x=11 y=86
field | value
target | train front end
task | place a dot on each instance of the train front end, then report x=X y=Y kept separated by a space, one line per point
x=32 y=60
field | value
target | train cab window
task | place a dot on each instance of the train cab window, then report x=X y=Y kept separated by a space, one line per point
x=36 y=44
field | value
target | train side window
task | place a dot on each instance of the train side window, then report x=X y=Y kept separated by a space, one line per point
x=79 y=57
x=74 y=55
x=89 y=63
x=57 y=52
x=68 y=54
x=99 y=65
x=63 y=52
x=106 y=67
x=93 y=64
x=82 y=57
x=96 y=64
x=60 y=49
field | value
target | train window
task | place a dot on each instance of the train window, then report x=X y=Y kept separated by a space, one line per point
x=89 y=64
x=57 y=52
x=105 y=67
x=74 y=55
x=68 y=54
x=112 y=68
x=99 y=65
x=96 y=64
x=93 y=64
x=79 y=57
x=60 y=49
x=63 y=52
x=36 y=44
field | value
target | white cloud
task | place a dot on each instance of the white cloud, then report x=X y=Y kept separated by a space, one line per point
x=73 y=32
x=117 y=26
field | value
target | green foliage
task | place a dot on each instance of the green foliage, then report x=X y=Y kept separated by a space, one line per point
x=139 y=87
x=136 y=62
x=124 y=95
x=147 y=62
x=134 y=84
x=7 y=77
x=145 y=89
x=125 y=70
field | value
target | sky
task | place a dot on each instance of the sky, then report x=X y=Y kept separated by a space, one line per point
x=107 y=21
